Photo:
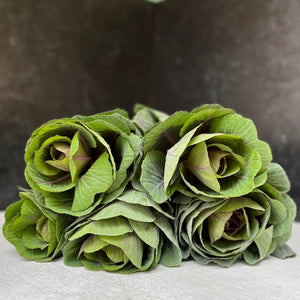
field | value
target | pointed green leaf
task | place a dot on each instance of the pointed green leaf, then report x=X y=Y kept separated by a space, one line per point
x=198 y=163
x=152 y=176
x=79 y=156
x=173 y=156
x=62 y=165
x=96 y=180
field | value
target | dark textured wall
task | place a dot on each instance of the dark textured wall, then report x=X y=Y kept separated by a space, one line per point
x=58 y=59
x=241 y=54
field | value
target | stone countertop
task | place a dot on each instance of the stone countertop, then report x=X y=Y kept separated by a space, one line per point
x=271 y=279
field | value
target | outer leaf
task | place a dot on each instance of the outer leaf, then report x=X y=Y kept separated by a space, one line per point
x=113 y=227
x=163 y=136
x=236 y=124
x=284 y=251
x=146 y=118
x=147 y=232
x=128 y=210
x=278 y=178
x=202 y=116
x=57 y=183
x=62 y=203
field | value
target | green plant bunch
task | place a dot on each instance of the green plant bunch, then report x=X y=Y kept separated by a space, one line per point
x=211 y=152
x=75 y=161
x=124 y=195
x=128 y=233
x=251 y=227
x=36 y=232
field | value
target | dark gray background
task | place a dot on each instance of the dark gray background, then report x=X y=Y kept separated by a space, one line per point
x=60 y=58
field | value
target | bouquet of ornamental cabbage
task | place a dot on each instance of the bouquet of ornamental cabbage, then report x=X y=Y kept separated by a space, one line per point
x=123 y=195
x=75 y=161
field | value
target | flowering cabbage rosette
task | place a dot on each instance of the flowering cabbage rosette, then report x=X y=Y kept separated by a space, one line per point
x=36 y=232
x=252 y=226
x=211 y=152
x=74 y=161
x=129 y=233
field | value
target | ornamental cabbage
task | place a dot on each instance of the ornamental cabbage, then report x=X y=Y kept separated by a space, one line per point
x=211 y=152
x=36 y=232
x=74 y=161
x=129 y=233
x=251 y=227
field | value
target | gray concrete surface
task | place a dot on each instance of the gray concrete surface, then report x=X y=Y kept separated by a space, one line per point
x=271 y=279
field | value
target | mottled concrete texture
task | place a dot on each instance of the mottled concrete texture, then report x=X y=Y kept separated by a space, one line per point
x=58 y=59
